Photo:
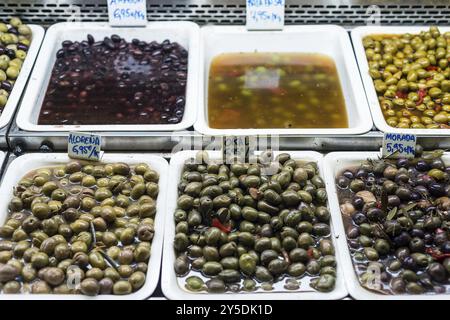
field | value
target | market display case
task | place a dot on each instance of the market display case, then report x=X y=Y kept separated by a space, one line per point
x=208 y=212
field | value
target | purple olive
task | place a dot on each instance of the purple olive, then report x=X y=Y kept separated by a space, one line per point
x=436 y=189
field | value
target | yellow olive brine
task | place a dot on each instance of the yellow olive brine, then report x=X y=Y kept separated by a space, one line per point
x=275 y=90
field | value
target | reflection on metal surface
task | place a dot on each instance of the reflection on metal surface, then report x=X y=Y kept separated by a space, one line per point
x=343 y=12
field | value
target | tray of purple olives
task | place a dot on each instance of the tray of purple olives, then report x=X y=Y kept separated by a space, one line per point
x=392 y=220
x=90 y=76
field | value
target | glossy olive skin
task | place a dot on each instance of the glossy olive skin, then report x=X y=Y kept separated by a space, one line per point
x=238 y=229
x=410 y=73
x=79 y=223
x=392 y=227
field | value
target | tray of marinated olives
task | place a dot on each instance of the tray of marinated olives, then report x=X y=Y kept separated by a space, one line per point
x=406 y=76
x=300 y=80
x=392 y=217
x=19 y=46
x=91 y=76
x=72 y=229
x=258 y=230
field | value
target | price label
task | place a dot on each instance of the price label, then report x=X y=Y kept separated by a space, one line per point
x=85 y=146
x=265 y=14
x=127 y=12
x=235 y=148
x=399 y=145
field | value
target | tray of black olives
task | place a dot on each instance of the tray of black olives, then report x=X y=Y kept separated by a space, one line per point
x=19 y=47
x=91 y=76
x=72 y=229
x=258 y=230
x=392 y=217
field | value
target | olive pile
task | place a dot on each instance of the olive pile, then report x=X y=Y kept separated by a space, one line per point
x=79 y=229
x=397 y=219
x=15 y=40
x=239 y=229
x=411 y=74
x=112 y=81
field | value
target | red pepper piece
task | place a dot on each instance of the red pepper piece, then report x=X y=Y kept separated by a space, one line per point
x=431 y=68
x=401 y=94
x=422 y=93
x=216 y=223
x=437 y=255
x=310 y=252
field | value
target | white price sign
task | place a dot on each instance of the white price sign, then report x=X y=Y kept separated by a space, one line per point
x=265 y=14
x=85 y=146
x=398 y=145
x=127 y=12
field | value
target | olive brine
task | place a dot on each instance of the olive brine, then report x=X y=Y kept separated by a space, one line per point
x=91 y=224
x=239 y=229
x=275 y=90
x=397 y=219
x=15 y=40
x=113 y=81
x=411 y=75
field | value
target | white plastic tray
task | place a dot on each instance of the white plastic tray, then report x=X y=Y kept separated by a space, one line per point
x=357 y=35
x=334 y=163
x=169 y=283
x=27 y=66
x=185 y=33
x=330 y=40
x=29 y=162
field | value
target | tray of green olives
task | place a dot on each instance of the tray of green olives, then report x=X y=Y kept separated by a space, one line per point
x=72 y=229
x=19 y=46
x=392 y=220
x=258 y=230
x=406 y=76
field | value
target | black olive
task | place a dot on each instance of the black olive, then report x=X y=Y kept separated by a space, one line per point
x=359 y=218
x=348 y=174
x=358 y=203
x=436 y=189
x=402 y=239
x=402 y=163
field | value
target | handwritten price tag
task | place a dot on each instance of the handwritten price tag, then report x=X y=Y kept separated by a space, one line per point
x=84 y=146
x=265 y=14
x=398 y=145
x=127 y=12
